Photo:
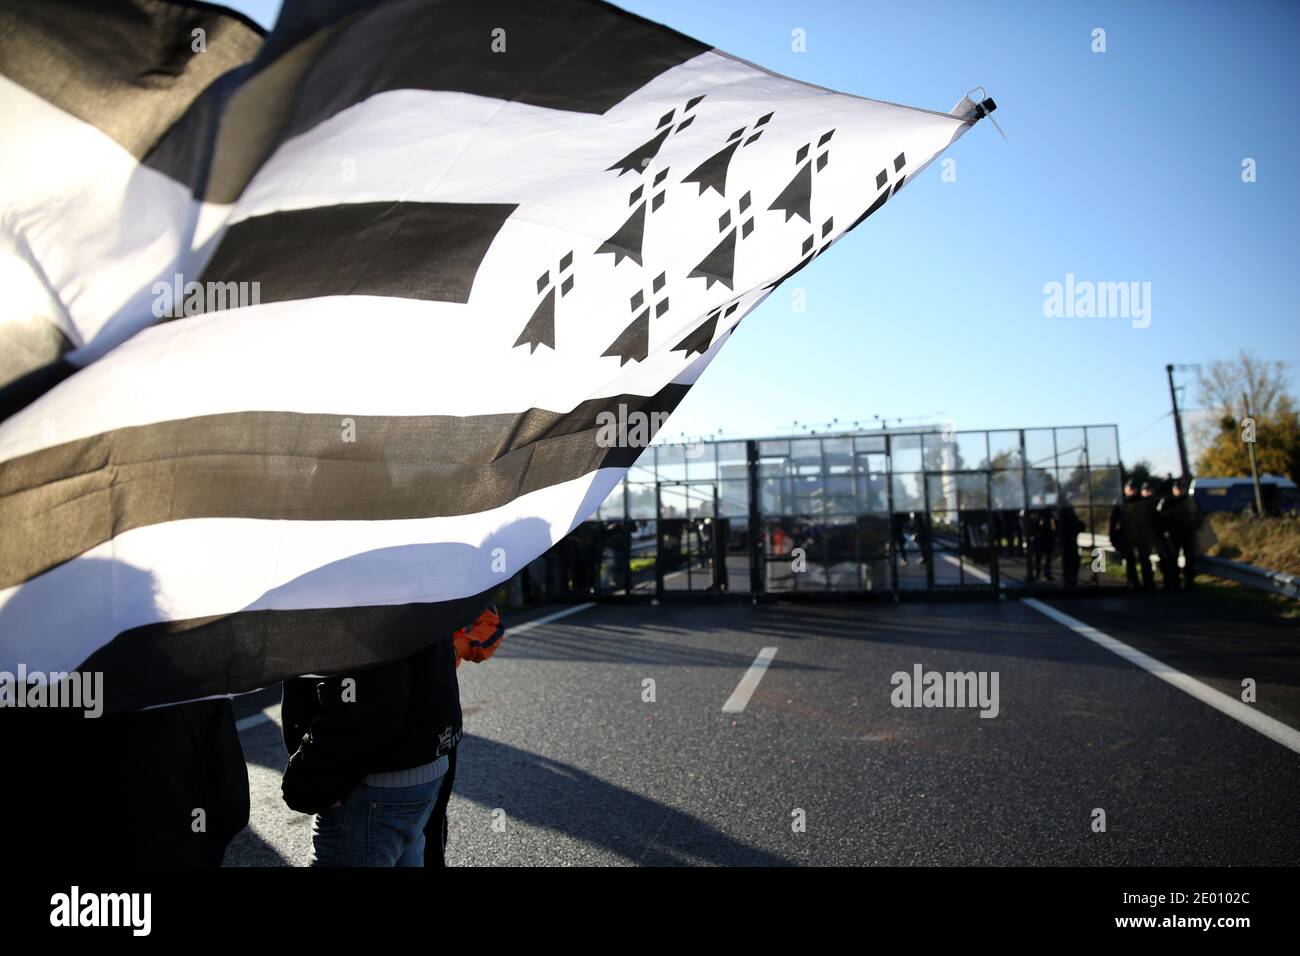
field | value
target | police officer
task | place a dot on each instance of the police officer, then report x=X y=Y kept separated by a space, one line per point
x=1181 y=519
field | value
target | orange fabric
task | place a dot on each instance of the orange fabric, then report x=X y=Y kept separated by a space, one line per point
x=481 y=639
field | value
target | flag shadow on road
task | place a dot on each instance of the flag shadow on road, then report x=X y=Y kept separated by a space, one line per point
x=540 y=792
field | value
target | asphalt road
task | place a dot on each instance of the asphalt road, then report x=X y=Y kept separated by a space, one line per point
x=565 y=763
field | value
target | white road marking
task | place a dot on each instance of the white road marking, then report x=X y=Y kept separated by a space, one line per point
x=739 y=698
x=1256 y=720
x=529 y=625
x=969 y=568
x=270 y=714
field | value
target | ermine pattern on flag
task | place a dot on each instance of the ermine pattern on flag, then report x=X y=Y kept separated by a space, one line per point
x=464 y=257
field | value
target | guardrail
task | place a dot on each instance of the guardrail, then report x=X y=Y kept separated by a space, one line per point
x=1088 y=540
x=1276 y=582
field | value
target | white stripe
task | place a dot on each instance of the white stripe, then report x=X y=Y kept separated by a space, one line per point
x=1256 y=720
x=408 y=357
x=96 y=225
x=439 y=146
x=529 y=625
x=210 y=566
x=739 y=698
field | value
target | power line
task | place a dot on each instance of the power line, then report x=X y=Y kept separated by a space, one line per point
x=1146 y=428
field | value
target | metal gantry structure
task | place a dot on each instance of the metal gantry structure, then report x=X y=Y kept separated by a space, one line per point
x=880 y=513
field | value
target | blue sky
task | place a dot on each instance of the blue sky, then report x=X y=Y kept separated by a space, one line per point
x=1120 y=166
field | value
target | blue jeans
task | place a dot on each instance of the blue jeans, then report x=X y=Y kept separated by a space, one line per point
x=375 y=826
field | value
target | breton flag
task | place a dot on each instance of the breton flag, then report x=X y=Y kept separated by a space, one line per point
x=308 y=337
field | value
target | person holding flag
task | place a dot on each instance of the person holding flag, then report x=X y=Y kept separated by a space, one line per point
x=475 y=643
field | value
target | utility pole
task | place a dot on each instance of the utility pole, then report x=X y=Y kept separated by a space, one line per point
x=1254 y=471
x=1178 y=425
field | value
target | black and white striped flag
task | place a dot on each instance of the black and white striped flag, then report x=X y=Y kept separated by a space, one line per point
x=307 y=337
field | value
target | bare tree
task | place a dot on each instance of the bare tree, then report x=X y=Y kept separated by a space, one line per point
x=1223 y=381
x=1221 y=384
x=1218 y=429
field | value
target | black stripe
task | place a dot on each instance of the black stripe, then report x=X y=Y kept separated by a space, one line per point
x=229 y=132
x=874 y=207
x=404 y=249
x=209 y=120
x=325 y=56
x=32 y=361
x=59 y=502
x=235 y=653
x=26 y=346
x=127 y=67
x=561 y=54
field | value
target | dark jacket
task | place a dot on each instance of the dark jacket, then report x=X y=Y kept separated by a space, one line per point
x=1044 y=530
x=1140 y=524
x=125 y=790
x=383 y=718
x=1117 y=539
x=1069 y=526
x=1179 y=517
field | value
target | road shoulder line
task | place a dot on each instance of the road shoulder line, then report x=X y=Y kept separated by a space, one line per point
x=1270 y=727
